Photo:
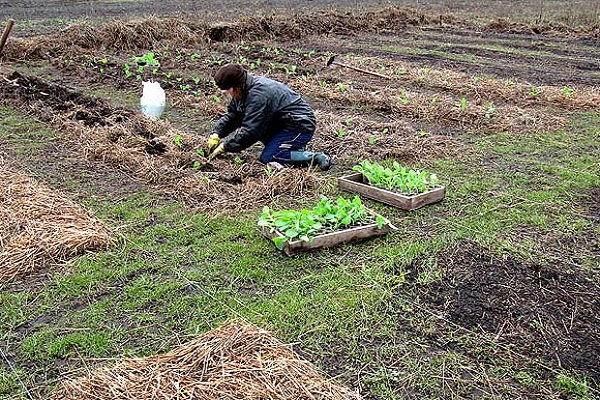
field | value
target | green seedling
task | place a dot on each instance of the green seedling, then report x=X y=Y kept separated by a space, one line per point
x=177 y=140
x=185 y=87
x=341 y=132
x=533 y=91
x=325 y=216
x=463 y=103
x=400 y=71
x=200 y=152
x=491 y=111
x=323 y=84
x=373 y=139
x=341 y=87
x=195 y=56
x=239 y=160
x=290 y=70
x=146 y=59
x=127 y=70
x=403 y=97
x=567 y=91
x=406 y=181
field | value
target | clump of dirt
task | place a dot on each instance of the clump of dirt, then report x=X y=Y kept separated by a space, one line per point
x=542 y=311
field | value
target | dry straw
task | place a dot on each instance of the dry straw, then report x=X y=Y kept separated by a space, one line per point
x=237 y=361
x=40 y=226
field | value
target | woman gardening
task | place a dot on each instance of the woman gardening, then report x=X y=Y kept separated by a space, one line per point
x=267 y=111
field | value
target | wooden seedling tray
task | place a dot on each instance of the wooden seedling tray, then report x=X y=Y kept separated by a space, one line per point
x=329 y=239
x=355 y=183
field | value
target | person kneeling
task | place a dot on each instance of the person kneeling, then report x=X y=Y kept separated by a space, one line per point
x=267 y=111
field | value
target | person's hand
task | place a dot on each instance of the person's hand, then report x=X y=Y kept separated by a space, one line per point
x=218 y=150
x=212 y=142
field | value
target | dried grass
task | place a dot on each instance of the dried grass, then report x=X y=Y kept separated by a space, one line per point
x=40 y=226
x=237 y=361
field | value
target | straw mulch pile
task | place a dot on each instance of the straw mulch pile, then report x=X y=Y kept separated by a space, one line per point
x=39 y=226
x=237 y=361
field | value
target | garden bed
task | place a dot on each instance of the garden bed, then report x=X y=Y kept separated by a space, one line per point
x=355 y=183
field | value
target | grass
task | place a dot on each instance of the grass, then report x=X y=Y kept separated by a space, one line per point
x=360 y=311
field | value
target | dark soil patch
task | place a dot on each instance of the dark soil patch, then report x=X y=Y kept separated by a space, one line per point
x=593 y=206
x=543 y=312
x=53 y=98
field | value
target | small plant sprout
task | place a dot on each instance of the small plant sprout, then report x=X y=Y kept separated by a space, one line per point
x=197 y=165
x=216 y=98
x=385 y=131
x=463 y=103
x=127 y=70
x=533 y=91
x=177 y=140
x=200 y=152
x=400 y=71
x=509 y=84
x=323 y=84
x=398 y=178
x=341 y=132
x=185 y=87
x=491 y=111
x=348 y=122
x=567 y=91
x=290 y=70
x=476 y=79
x=342 y=87
x=239 y=160
x=403 y=97
x=195 y=56
x=423 y=133
x=373 y=139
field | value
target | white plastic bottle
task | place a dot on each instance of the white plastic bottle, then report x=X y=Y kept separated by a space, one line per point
x=153 y=100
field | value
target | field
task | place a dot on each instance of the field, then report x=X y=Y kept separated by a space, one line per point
x=119 y=240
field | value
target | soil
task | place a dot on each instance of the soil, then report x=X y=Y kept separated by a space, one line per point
x=549 y=312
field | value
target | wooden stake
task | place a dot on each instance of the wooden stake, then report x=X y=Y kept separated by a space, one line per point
x=9 y=26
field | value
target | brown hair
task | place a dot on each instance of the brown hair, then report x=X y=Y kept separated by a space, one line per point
x=230 y=75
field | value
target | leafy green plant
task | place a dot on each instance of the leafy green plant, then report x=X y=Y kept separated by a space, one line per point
x=341 y=132
x=398 y=178
x=341 y=87
x=326 y=216
x=177 y=140
x=373 y=139
x=491 y=110
x=567 y=91
x=403 y=97
x=533 y=91
x=572 y=387
x=463 y=103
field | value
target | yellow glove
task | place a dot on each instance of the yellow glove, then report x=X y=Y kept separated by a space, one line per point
x=220 y=149
x=213 y=141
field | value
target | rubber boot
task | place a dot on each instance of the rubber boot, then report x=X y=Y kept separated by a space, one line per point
x=308 y=157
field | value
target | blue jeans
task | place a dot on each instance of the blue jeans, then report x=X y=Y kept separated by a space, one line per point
x=282 y=143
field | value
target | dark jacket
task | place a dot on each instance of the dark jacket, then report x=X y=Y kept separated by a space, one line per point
x=267 y=107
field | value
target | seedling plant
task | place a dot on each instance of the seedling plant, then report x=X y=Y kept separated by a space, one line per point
x=326 y=216
x=401 y=179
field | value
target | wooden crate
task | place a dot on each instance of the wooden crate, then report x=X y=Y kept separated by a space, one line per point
x=355 y=183
x=329 y=239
